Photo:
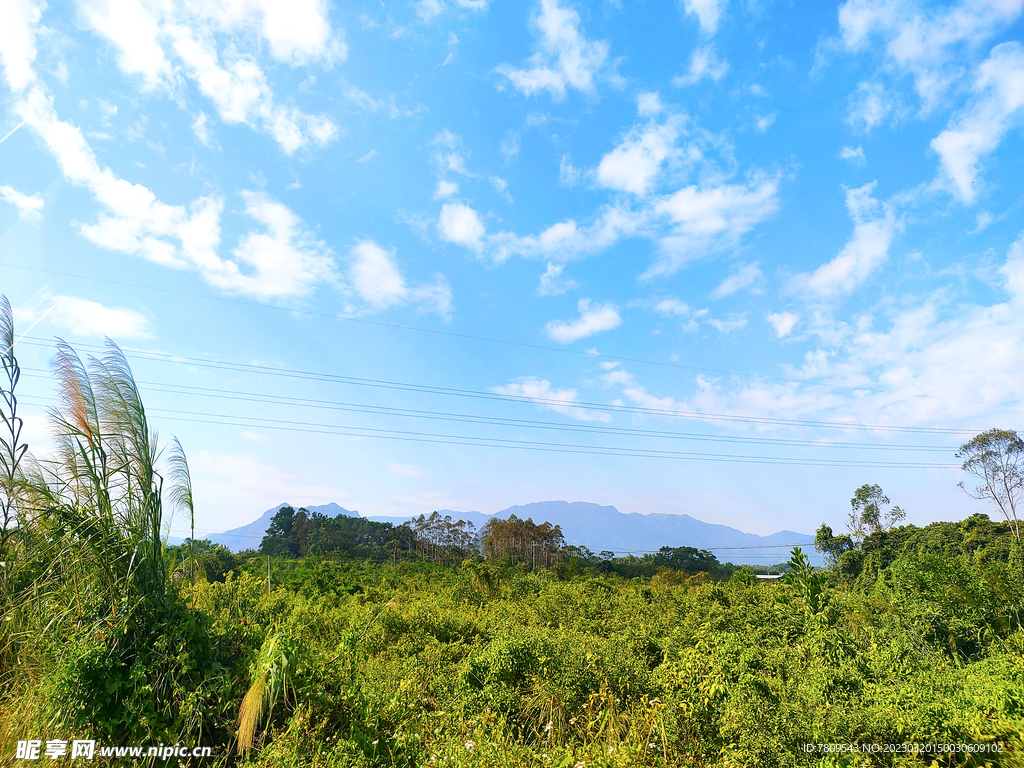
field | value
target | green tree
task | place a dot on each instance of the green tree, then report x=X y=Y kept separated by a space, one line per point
x=279 y=539
x=831 y=546
x=996 y=459
x=870 y=512
x=810 y=584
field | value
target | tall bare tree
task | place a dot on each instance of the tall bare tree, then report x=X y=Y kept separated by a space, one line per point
x=996 y=459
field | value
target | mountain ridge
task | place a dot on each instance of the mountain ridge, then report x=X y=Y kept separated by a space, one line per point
x=598 y=527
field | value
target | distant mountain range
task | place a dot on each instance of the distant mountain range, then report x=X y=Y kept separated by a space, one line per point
x=592 y=525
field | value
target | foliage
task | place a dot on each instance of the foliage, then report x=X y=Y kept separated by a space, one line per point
x=514 y=538
x=996 y=459
x=200 y=559
x=297 y=533
x=441 y=539
x=832 y=546
x=870 y=512
x=809 y=584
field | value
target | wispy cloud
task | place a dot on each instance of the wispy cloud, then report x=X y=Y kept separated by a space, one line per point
x=743 y=277
x=29 y=206
x=708 y=12
x=875 y=226
x=592 y=320
x=703 y=64
x=981 y=126
x=87 y=319
x=565 y=59
x=543 y=394
x=378 y=281
x=552 y=283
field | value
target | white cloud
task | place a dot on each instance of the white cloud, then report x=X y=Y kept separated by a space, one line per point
x=367 y=157
x=405 y=470
x=636 y=161
x=501 y=187
x=460 y=224
x=708 y=12
x=449 y=157
x=285 y=259
x=568 y=174
x=445 y=189
x=672 y=307
x=434 y=297
x=978 y=130
x=566 y=240
x=592 y=320
x=427 y=10
x=510 y=145
x=202 y=130
x=541 y=392
x=703 y=63
x=874 y=227
x=375 y=276
x=691 y=318
x=764 y=123
x=690 y=223
x=552 y=283
x=364 y=101
x=730 y=325
x=853 y=155
x=161 y=43
x=566 y=58
x=88 y=319
x=782 y=323
x=649 y=104
x=870 y=105
x=18 y=42
x=29 y=206
x=709 y=219
x=744 y=277
x=932 y=44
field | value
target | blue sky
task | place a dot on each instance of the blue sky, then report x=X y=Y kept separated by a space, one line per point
x=485 y=253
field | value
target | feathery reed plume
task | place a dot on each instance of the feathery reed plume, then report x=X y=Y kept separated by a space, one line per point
x=181 y=495
x=269 y=679
x=12 y=450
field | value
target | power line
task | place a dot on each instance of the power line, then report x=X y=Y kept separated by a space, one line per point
x=478 y=394
x=288 y=425
x=259 y=397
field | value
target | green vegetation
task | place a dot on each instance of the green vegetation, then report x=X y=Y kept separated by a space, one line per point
x=372 y=645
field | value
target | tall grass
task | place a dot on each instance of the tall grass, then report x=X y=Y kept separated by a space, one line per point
x=89 y=614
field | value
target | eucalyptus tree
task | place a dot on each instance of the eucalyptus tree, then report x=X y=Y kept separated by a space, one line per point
x=996 y=459
x=870 y=512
